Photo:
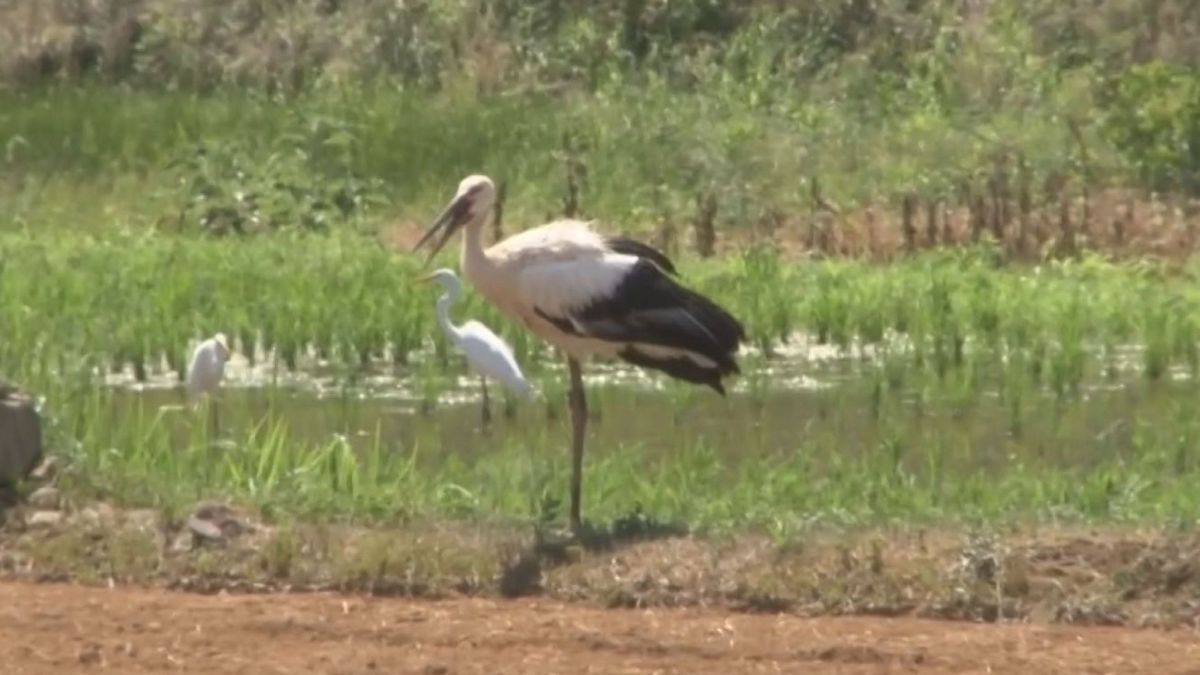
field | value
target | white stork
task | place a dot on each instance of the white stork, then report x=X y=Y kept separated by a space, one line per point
x=587 y=294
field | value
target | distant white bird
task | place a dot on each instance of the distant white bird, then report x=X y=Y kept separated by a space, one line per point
x=485 y=351
x=206 y=371
x=586 y=294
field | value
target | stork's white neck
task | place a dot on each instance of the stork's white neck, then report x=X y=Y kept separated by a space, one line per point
x=474 y=260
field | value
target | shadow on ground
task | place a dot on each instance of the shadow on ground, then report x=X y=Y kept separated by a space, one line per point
x=551 y=548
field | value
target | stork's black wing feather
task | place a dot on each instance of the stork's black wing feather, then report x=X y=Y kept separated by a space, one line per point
x=649 y=307
x=634 y=247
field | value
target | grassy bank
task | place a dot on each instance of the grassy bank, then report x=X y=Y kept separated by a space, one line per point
x=99 y=158
x=843 y=127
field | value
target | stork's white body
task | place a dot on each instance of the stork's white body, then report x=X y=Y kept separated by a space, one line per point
x=555 y=268
x=589 y=294
x=558 y=269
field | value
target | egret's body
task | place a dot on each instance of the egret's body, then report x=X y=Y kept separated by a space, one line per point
x=486 y=353
x=589 y=294
x=205 y=372
x=207 y=367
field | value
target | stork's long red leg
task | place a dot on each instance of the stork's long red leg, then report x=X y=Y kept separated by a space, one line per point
x=578 y=403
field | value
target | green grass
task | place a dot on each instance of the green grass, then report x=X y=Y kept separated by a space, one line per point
x=747 y=101
x=950 y=329
x=647 y=150
x=109 y=186
x=523 y=479
x=136 y=300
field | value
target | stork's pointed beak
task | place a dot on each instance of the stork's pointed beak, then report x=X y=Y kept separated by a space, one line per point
x=448 y=222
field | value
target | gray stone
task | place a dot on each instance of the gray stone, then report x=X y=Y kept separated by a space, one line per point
x=205 y=530
x=45 y=498
x=216 y=522
x=39 y=519
x=20 y=435
x=91 y=655
x=47 y=470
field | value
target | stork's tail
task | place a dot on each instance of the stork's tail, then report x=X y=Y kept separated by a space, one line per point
x=702 y=345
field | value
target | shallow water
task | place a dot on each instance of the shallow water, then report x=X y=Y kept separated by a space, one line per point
x=808 y=398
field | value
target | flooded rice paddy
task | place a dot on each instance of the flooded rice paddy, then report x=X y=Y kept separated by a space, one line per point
x=807 y=400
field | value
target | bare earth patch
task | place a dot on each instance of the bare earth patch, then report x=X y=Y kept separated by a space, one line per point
x=70 y=629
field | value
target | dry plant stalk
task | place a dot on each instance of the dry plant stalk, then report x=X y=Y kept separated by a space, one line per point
x=1024 y=205
x=706 y=217
x=931 y=223
x=575 y=173
x=998 y=189
x=666 y=233
x=908 y=214
x=498 y=211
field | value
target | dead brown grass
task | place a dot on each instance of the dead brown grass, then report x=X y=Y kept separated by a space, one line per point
x=1118 y=223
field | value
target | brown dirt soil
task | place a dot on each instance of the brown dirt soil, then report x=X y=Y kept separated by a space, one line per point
x=57 y=628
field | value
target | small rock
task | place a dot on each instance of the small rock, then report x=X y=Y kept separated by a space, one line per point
x=47 y=470
x=90 y=655
x=205 y=529
x=216 y=523
x=45 y=498
x=44 y=519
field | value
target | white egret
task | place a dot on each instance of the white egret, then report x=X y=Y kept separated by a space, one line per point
x=588 y=294
x=485 y=351
x=205 y=372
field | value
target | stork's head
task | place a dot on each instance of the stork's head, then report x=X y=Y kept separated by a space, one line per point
x=471 y=204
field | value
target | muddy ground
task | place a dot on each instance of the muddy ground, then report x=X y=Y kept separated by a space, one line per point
x=57 y=628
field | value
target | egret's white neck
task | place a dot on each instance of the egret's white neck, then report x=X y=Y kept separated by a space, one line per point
x=453 y=290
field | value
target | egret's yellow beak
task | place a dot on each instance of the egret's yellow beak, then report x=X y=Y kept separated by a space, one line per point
x=425 y=278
